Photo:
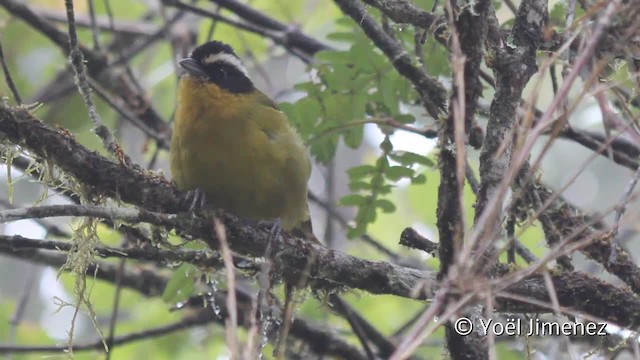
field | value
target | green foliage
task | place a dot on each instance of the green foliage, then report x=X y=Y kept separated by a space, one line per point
x=181 y=284
x=351 y=87
x=558 y=14
x=370 y=183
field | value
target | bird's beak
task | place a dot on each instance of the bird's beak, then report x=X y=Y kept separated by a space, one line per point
x=192 y=67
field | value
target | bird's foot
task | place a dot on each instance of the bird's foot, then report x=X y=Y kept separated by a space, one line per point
x=275 y=228
x=198 y=199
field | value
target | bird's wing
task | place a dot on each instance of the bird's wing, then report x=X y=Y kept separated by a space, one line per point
x=264 y=100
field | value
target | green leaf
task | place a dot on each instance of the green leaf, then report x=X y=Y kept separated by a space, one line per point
x=419 y=179
x=377 y=181
x=386 y=205
x=324 y=150
x=352 y=200
x=307 y=86
x=335 y=106
x=398 y=172
x=353 y=136
x=361 y=83
x=405 y=118
x=308 y=112
x=361 y=171
x=365 y=216
x=342 y=36
x=404 y=89
x=437 y=57
x=337 y=78
x=356 y=231
x=358 y=104
x=345 y=22
x=360 y=185
x=180 y=286
x=388 y=94
x=407 y=158
x=334 y=57
x=289 y=109
x=558 y=13
x=369 y=214
x=377 y=61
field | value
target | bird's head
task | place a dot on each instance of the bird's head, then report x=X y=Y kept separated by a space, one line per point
x=216 y=62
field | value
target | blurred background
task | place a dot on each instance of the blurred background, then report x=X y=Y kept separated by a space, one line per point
x=32 y=297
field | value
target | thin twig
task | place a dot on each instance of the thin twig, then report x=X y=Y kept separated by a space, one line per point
x=367 y=331
x=112 y=213
x=18 y=315
x=231 y=324
x=51 y=228
x=77 y=61
x=120 y=340
x=626 y=197
x=121 y=108
x=342 y=308
x=114 y=311
x=17 y=243
x=95 y=31
x=296 y=42
x=8 y=78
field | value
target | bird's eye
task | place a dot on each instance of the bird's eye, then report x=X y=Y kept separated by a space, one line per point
x=224 y=73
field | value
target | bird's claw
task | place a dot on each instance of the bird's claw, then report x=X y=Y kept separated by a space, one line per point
x=198 y=199
x=276 y=228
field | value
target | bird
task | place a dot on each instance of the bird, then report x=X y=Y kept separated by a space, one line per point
x=232 y=142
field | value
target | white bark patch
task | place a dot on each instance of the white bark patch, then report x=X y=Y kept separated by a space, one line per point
x=534 y=17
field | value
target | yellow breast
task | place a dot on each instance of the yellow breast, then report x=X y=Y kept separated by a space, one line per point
x=240 y=151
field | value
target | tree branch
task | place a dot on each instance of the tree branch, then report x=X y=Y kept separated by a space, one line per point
x=563 y=221
x=468 y=28
x=404 y=12
x=19 y=244
x=293 y=38
x=134 y=186
x=513 y=66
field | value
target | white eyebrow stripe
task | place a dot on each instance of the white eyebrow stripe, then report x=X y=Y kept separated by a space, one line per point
x=226 y=58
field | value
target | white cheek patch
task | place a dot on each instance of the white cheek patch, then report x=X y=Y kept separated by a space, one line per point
x=226 y=58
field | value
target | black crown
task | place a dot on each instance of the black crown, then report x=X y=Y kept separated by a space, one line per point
x=212 y=47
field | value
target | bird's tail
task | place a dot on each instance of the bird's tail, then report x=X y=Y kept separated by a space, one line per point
x=305 y=230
